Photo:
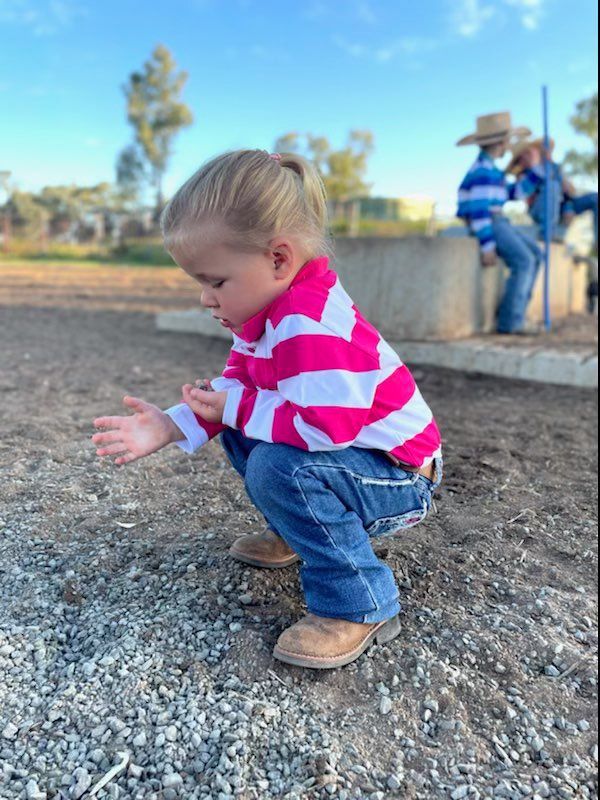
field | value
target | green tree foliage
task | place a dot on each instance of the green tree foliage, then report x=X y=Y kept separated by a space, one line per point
x=585 y=122
x=26 y=213
x=343 y=171
x=156 y=113
x=130 y=177
x=57 y=207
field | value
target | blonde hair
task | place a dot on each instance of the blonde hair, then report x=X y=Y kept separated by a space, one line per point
x=256 y=197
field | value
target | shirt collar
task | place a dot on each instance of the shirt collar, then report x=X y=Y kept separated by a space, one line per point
x=254 y=328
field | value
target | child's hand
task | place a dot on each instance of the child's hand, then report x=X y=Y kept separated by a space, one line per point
x=132 y=437
x=488 y=258
x=207 y=404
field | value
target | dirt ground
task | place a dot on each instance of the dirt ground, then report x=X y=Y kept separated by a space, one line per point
x=513 y=540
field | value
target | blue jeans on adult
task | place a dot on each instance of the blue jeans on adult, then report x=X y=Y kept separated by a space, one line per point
x=576 y=205
x=327 y=505
x=523 y=257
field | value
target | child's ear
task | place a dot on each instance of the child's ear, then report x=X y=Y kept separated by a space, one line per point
x=283 y=257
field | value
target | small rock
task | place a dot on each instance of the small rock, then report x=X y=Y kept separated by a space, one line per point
x=83 y=782
x=385 y=705
x=135 y=771
x=34 y=792
x=551 y=671
x=171 y=733
x=172 y=781
x=10 y=731
x=537 y=743
x=393 y=783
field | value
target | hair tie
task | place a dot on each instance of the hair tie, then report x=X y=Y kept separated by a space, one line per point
x=275 y=156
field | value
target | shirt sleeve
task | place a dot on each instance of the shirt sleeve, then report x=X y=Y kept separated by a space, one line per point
x=196 y=430
x=527 y=184
x=324 y=395
x=478 y=192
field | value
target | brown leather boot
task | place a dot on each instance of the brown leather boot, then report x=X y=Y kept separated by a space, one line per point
x=264 y=549
x=324 y=643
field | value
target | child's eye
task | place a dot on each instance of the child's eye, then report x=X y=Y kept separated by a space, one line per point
x=217 y=284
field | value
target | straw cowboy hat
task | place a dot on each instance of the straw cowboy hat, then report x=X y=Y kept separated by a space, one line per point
x=493 y=128
x=519 y=148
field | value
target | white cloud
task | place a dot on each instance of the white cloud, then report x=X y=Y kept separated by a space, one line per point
x=530 y=12
x=405 y=46
x=469 y=16
x=42 y=18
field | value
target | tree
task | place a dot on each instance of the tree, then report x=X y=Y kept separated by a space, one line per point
x=58 y=209
x=585 y=122
x=130 y=176
x=156 y=113
x=343 y=171
x=26 y=213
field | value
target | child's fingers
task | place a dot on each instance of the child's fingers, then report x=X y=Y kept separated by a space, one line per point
x=107 y=437
x=135 y=403
x=208 y=398
x=108 y=422
x=112 y=449
x=126 y=459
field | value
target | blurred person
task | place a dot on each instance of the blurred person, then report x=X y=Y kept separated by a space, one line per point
x=528 y=166
x=481 y=197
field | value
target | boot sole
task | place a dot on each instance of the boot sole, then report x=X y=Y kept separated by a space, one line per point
x=383 y=633
x=256 y=562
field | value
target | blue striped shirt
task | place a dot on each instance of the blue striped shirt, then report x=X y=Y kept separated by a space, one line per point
x=482 y=194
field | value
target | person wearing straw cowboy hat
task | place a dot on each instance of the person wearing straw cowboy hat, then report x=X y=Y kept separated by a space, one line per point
x=481 y=196
x=527 y=162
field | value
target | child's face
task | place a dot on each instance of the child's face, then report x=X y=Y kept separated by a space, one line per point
x=530 y=158
x=235 y=285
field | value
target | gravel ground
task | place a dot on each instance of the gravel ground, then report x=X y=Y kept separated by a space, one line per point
x=132 y=647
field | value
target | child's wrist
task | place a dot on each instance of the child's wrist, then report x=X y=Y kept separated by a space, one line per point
x=174 y=433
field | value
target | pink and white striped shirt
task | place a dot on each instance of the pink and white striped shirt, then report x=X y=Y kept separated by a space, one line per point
x=311 y=372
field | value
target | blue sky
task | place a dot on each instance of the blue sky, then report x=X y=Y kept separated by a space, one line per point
x=416 y=74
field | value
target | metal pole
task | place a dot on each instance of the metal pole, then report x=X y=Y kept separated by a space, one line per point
x=549 y=205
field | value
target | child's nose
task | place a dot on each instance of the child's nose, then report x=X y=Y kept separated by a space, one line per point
x=207 y=298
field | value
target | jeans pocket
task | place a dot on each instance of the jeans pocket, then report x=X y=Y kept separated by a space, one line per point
x=387 y=526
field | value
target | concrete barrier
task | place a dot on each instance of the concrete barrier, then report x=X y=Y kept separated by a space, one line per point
x=420 y=288
x=424 y=288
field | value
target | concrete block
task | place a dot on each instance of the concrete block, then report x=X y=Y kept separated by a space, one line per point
x=544 y=366
x=192 y=321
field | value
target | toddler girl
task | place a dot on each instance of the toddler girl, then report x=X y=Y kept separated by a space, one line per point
x=315 y=411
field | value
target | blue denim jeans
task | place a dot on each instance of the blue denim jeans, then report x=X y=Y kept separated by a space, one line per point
x=327 y=505
x=576 y=205
x=523 y=257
